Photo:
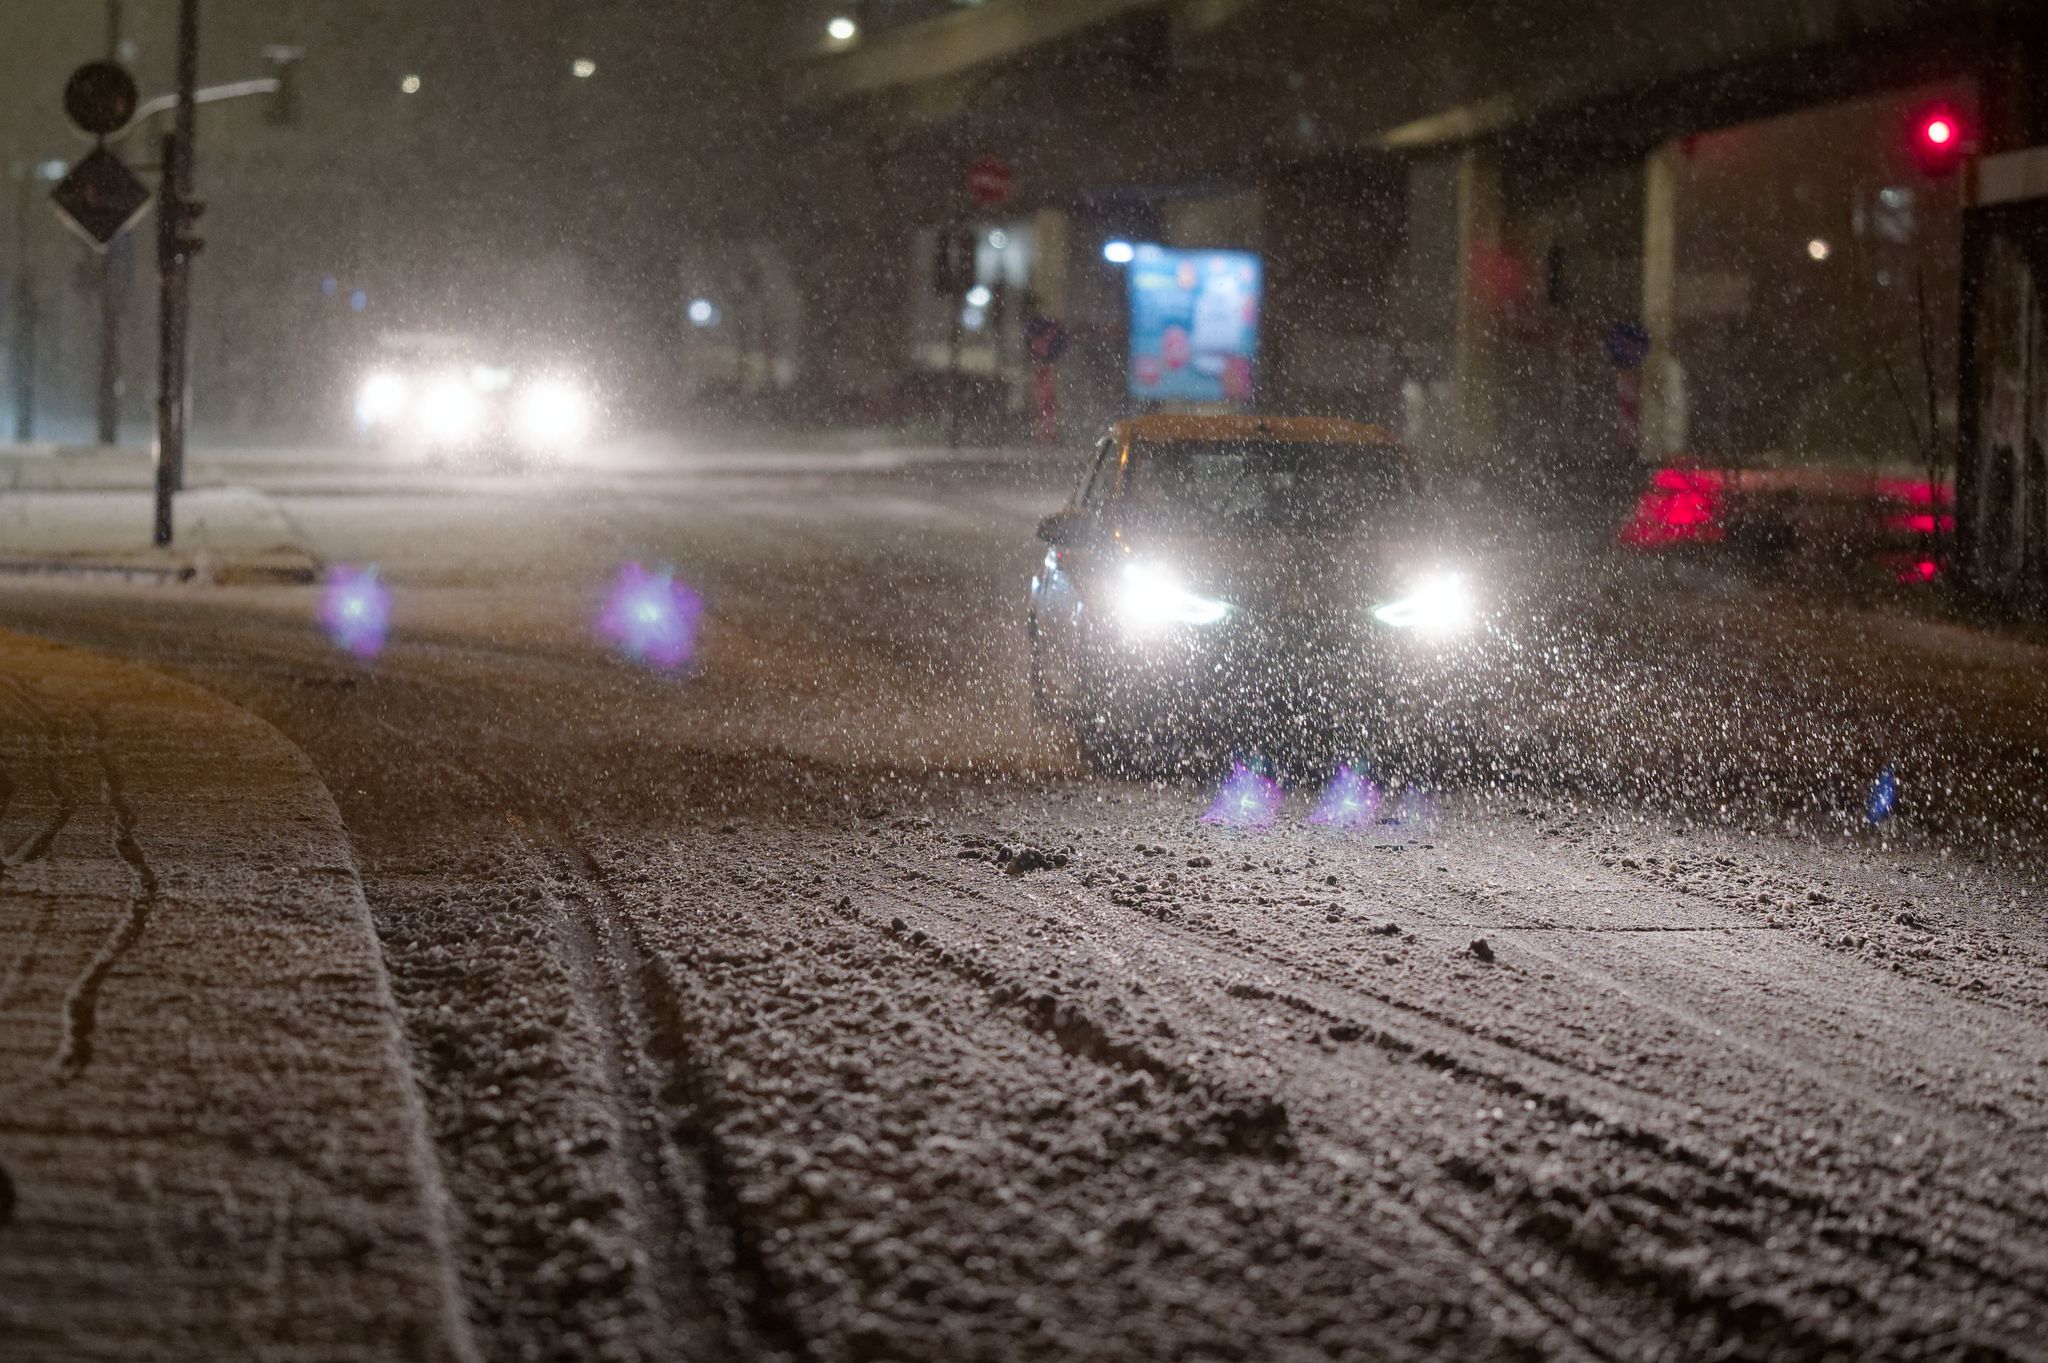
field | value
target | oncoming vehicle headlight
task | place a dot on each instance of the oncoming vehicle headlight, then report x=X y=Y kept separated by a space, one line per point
x=1438 y=605
x=552 y=414
x=1151 y=599
x=451 y=411
x=381 y=400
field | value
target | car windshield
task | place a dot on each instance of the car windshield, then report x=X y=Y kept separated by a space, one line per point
x=1241 y=485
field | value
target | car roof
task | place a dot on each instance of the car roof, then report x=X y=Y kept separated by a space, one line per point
x=1307 y=430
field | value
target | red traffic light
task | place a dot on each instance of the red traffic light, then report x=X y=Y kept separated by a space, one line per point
x=1940 y=140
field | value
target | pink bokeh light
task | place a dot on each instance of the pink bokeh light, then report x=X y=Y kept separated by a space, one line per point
x=1247 y=799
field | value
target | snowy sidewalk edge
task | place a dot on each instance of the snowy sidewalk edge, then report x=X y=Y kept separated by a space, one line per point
x=234 y=1126
x=225 y=534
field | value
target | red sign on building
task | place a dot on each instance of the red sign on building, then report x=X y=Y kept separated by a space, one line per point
x=990 y=182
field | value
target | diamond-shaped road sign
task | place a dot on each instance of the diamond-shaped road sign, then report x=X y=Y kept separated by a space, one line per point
x=101 y=197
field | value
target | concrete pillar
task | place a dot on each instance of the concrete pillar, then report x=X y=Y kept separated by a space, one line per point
x=1093 y=376
x=1333 y=234
x=1660 y=302
x=1051 y=243
x=1997 y=383
x=2001 y=394
x=1482 y=225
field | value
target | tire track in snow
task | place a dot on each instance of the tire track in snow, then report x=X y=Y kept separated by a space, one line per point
x=82 y=1001
x=715 y=1298
x=1464 y=1242
x=1419 y=899
x=1853 y=912
x=1639 y=1134
x=36 y=845
x=1634 y=1117
x=1465 y=1245
x=1516 y=1323
x=1078 y=1030
x=1250 y=1121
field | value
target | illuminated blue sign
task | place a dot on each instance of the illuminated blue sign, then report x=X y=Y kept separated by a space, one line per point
x=1194 y=324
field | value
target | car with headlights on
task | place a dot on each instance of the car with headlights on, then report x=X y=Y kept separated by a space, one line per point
x=1242 y=583
x=439 y=398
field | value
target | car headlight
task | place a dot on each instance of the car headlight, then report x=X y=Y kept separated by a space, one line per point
x=381 y=400
x=1151 y=599
x=451 y=411
x=552 y=414
x=1438 y=605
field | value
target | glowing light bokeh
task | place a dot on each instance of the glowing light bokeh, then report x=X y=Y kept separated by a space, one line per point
x=1883 y=800
x=382 y=400
x=1351 y=800
x=1247 y=799
x=1437 y=605
x=1150 y=599
x=1681 y=506
x=1915 y=492
x=450 y=412
x=355 y=610
x=552 y=416
x=650 y=617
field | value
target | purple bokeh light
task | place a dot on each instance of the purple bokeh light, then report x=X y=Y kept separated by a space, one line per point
x=651 y=617
x=355 y=610
x=1351 y=800
x=1247 y=799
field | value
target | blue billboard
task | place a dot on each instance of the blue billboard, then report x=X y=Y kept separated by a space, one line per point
x=1194 y=324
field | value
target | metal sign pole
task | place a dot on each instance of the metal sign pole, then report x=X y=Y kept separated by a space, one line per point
x=24 y=313
x=955 y=302
x=174 y=263
x=170 y=384
x=111 y=264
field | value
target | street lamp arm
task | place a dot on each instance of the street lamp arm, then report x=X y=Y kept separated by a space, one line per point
x=212 y=94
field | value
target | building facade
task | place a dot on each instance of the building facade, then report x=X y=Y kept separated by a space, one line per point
x=1472 y=216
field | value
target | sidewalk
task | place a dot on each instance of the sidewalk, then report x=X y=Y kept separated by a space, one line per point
x=92 y=511
x=209 y=1143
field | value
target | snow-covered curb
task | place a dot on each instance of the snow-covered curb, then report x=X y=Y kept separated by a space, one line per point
x=210 y=1141
x=223 y=534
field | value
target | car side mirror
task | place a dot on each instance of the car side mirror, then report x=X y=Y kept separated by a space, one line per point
x=1061 y=527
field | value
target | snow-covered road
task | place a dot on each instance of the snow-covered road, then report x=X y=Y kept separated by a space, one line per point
x=744 y=1034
